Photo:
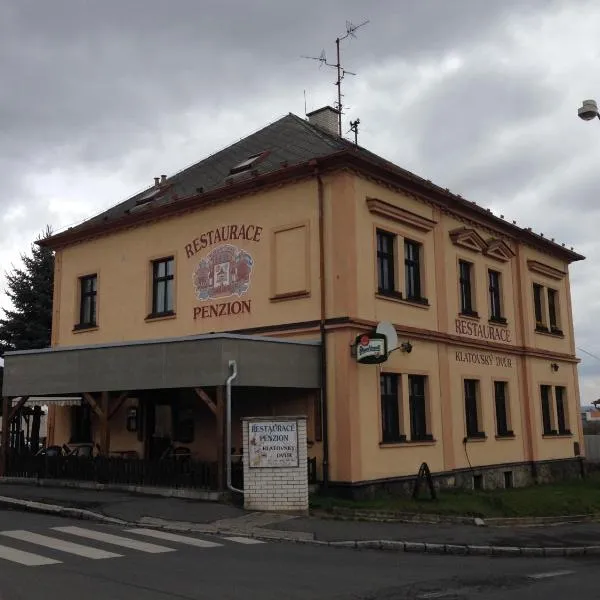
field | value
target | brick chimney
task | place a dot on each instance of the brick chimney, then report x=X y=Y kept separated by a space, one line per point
x=327 y=118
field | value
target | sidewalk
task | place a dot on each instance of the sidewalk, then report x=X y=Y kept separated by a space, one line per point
x=194 y=515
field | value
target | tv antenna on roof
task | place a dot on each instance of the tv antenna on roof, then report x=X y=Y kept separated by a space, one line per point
x=341 y=72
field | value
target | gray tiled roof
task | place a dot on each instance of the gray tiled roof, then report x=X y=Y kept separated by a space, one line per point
x=290 y=140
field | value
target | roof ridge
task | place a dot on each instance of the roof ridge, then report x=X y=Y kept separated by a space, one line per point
x=332 y=139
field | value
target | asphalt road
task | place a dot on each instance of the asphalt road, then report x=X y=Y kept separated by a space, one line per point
x=79 y=562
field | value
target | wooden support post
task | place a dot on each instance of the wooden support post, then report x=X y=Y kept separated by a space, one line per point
x=102 y=412
x=220 y=437
x=117 y=405
x=51 y=425
x=34 y=438
x=104 y=428
x=90 y=400
x=212 y=405
x=17 y=407
x=6 y=405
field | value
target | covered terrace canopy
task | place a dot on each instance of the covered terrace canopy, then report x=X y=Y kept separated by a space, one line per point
x=101 y=371
x=193 y=361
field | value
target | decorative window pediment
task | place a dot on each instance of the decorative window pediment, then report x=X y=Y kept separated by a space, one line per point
x=468 y=238
x=400 y=215
x=547 y=270
x=499 y=249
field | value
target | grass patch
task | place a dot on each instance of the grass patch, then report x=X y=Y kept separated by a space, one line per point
x=550 y=500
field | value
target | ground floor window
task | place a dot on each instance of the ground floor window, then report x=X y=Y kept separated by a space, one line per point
x=561 y=410
x=472 y=418
x=183 y=424
x=554 y=410
x=502 y=409
x=546 y=391
x=81 y=424
x=390 y=407
x=417 y=406
x=404 y=413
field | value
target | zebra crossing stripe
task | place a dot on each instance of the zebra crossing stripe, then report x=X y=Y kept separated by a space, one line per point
x=244 y=540
x=173 y=537
x=25 y=558
x=57 y=544
x=114 y=539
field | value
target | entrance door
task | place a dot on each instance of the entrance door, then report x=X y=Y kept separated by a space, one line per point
x=159 y=427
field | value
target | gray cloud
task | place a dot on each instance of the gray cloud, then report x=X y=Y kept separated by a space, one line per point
x=481 y=97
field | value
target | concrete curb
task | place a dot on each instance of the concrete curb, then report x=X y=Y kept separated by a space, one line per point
x=60 y=511
x=304 y=537
x=397 y=545
x=141 y=490
x=376 y=516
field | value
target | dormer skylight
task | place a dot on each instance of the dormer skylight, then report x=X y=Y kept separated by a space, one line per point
x=247 y=164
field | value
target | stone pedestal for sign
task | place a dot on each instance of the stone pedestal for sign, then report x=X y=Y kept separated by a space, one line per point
x=275 y=464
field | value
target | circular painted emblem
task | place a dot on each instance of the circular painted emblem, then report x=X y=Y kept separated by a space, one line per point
x=224 y=271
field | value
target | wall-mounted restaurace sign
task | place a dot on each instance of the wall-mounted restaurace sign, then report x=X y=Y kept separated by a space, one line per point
x=224 y=272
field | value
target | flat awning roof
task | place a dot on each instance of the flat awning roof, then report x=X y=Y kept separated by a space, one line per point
x=193 y=361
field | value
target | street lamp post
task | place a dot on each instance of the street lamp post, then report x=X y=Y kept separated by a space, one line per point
x=588 y=110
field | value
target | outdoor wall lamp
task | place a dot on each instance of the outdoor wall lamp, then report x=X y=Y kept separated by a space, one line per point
x=588 y=110
x=554 y=367
x=131 y=422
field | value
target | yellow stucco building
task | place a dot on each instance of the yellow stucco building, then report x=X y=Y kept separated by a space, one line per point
x=277 y=252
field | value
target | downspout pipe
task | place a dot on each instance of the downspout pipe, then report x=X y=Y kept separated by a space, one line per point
x=233 y=367
x=323 y=332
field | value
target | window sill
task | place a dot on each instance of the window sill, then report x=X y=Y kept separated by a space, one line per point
x=408 y=443
x=478 y=437
x=390 y=294
x=506 y=436
x=469 y=315
x=417 y=303
x=498 y=321
x=396 y=442
x=290 y=296
x=160 y=316
x=557 y=435
x=81 y=327
x=555 y=333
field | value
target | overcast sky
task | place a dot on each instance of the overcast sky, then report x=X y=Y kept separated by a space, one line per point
x=97 y=98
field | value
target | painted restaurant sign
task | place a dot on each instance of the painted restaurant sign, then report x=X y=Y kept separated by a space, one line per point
x=224 y=273
x=491 y=333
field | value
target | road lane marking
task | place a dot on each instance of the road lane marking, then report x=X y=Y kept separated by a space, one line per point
x=550 y=574
x=244 y=540
x=57 y=544
x=173 y=537
x=25 y=558
x=114 y=539
x=444 y=594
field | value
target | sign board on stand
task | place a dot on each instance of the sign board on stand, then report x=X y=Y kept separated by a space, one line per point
x=273 y=444
x=275 y=463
